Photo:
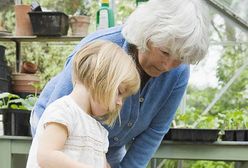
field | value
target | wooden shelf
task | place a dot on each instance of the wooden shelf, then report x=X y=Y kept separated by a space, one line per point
x=40 y=38
x=20 y=39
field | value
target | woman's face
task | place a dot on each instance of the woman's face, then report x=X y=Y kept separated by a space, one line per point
x=157 y=61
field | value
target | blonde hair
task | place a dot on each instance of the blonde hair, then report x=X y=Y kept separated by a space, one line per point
x=102 y=66
x=180 y=26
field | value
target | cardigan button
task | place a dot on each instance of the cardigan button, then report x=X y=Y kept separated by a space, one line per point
x=129 y=124
x=141 y=99
x=116 y=139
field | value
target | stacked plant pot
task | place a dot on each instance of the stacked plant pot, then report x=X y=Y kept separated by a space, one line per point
x=24 y=83
x=16 y=114
x=4 y=72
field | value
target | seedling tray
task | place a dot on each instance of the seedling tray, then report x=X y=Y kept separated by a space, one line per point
x=49 y=23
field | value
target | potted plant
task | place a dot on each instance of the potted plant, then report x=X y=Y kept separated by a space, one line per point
x=80 y=20
x=186 y=132
x=26 y=82
x=234 y=125
x=192 y=134
x=16 y=113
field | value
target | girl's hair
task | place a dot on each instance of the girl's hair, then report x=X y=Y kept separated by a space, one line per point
x=102 y=67
x=179 y=26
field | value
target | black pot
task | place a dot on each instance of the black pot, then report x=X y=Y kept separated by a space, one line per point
x=4 y=85
x=229 y=135
x=4 y=72
x=2 y=54
x=235 y=135
x=16 y=122
x=188 y=134
x=240 y=135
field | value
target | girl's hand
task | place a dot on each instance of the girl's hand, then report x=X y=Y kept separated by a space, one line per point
x=107 y=165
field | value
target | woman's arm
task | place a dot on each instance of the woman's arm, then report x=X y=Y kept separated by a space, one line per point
x=51 y=143
x=146 y=144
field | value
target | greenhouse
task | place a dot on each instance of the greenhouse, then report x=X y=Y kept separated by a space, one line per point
x=205 y=109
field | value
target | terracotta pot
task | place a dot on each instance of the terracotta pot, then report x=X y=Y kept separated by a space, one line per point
x=23 y=83
x=79 y=25
x=29 y=67
x=23 y=25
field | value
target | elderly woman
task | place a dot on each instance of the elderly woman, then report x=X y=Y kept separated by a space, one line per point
x=163 y=37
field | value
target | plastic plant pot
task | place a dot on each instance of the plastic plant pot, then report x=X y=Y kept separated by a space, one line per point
x=188 y=134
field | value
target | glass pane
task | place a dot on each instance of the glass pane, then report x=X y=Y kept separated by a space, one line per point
x=224 y=30
x=239 y=7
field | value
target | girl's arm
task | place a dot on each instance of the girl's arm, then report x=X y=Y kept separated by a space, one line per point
x=50 y=145
x=107 y=164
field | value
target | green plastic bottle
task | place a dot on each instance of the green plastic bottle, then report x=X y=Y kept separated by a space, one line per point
x=105 y=16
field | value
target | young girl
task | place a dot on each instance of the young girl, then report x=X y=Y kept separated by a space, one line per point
x=68 y=134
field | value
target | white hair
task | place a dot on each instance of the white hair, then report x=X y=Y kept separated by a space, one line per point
x=179 y=26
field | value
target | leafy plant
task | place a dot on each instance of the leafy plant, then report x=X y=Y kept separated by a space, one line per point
x=75 y=7
x=83 y=8
x=212 y=164
x=124 y=9
x=197 y=164
x=208 y=121
x=233 y=119
x=13 y=101
x=5 y=98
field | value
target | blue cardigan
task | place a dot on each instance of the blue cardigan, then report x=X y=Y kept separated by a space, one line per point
x=145 y=117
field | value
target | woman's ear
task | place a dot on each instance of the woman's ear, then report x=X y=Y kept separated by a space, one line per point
x=149 y=44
